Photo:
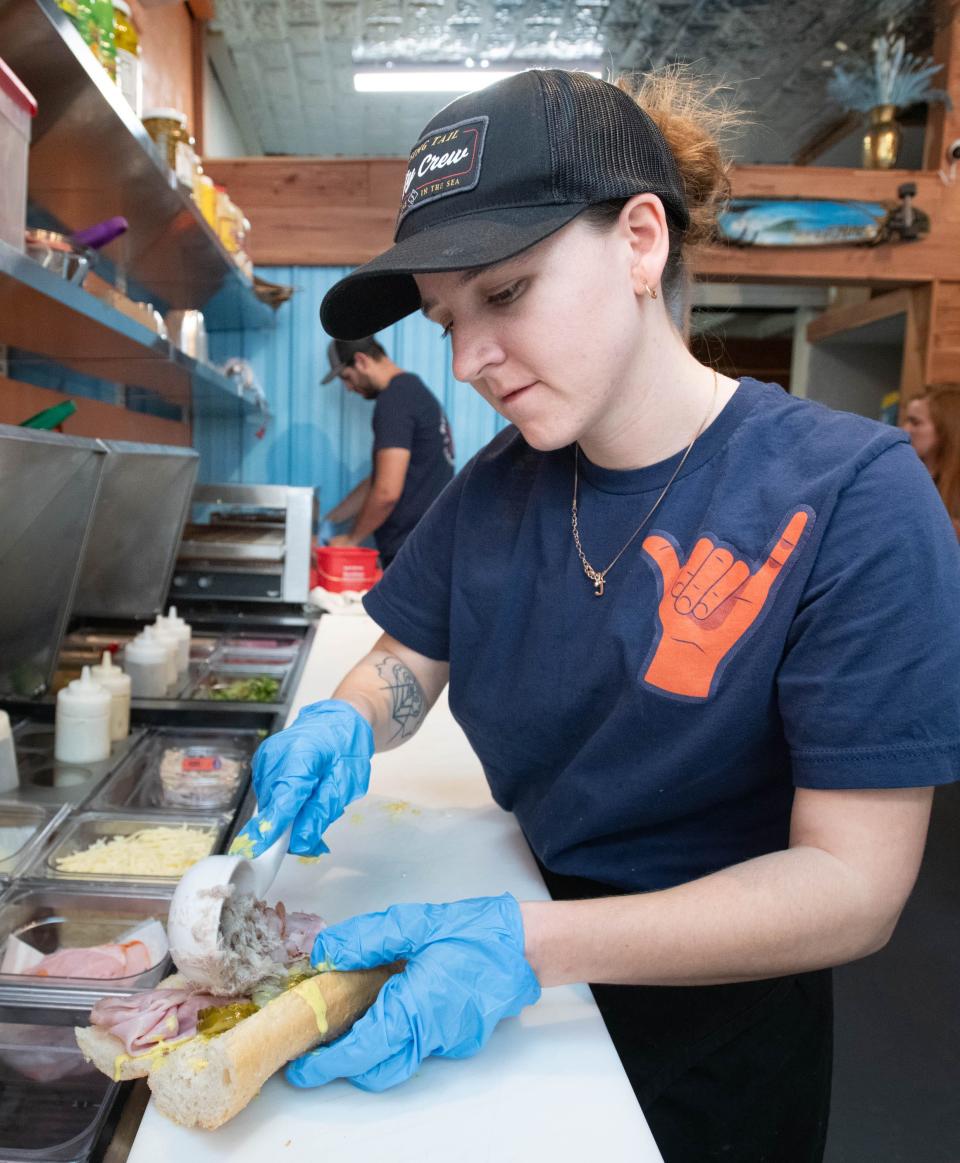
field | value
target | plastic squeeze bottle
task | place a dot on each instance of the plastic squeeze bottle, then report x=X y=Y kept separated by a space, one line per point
x=9 y=777
x=145 y=661
x=82 y=728
x=184 y=633
x=117 y=684
x=168 y=640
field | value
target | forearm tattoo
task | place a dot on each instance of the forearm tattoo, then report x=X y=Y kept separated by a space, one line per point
x=408 y=705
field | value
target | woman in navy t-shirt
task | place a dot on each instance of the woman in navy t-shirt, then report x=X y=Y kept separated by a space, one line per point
x=704 y=637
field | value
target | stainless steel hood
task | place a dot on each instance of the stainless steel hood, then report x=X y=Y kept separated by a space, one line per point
x=144 y=497
x=48 y=490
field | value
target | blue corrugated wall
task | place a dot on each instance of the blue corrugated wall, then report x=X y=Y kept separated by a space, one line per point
x=317 y=435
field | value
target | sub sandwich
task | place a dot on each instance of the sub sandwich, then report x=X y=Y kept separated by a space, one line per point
x=205 y=1055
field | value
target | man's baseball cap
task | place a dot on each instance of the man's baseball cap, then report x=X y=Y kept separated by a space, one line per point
x=340 y=353
x=499 y=170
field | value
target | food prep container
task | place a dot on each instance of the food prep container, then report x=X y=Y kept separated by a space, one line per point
x=82 y=831
x=17 y=107
x=228 y=683
x=54 y=1106
x=49 y=917
x=182 y=770
x=23 y=831
x=46 y=780
x=254 y=651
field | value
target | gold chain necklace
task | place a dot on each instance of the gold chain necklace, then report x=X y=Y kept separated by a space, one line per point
x=599 y=576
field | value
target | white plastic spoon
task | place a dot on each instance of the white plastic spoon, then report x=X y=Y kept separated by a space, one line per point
x=193 y=924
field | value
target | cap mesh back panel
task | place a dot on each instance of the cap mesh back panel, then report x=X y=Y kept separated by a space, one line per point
x=603 y=145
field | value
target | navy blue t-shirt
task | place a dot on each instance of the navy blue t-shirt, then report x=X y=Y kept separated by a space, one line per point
x=408 y=415
x=791 y=617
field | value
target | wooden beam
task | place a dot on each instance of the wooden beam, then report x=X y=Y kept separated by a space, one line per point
x=202 y=10
x=840 y=319
x=943 y=125
x=19 y=401
x=827 y=137
x=916 y=340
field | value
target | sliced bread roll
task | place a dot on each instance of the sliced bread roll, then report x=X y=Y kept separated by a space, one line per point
x=109 y=1054
x=204 y=1081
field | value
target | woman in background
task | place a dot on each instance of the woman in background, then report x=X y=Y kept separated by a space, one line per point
x=932 y=422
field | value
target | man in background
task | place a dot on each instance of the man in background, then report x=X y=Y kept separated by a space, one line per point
x=412 y=448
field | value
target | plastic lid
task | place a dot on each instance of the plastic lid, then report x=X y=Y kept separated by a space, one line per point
x=166 y=114
x=5 y=730
x=112 y=677
x=84 y=691
x=15 y=89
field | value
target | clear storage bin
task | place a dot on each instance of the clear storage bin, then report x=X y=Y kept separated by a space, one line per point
x=23 y=830
x=183 y=770
x=17 y=107
x=50 y=917
x=82 y=832
x=55 y=1106
x=45 y=780
x=241 y=684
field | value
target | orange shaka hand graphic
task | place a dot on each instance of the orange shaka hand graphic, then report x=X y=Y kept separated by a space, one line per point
x=707 y=605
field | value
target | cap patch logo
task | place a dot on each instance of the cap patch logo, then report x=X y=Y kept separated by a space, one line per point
x=444 y=161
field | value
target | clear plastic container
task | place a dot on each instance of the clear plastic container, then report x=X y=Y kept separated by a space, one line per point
x=23 y=830
x=82 y=832
x=190 y=770
x=44 y=780
x=241 y=684
x=50 y=917
x=250 y=651
x=17 y=107
x=55 y=1106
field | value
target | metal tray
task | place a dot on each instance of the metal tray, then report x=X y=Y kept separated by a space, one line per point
x=36 y=820
x=139 y=784
x=81 y=832
x=60 y=916
x=54 y=1106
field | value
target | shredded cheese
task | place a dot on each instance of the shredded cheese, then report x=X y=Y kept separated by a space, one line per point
x=160 y=851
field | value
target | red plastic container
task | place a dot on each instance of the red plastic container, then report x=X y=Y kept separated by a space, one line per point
x=342 y=567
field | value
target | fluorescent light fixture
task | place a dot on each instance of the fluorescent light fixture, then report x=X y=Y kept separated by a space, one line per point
x=440 y=80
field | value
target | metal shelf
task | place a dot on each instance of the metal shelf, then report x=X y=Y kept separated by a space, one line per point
x=42 y=313
x=91 y=159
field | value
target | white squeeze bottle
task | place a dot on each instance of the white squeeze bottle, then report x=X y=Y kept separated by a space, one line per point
x=9 y=777
x=168 y=640
x=184 y=633
x=145 y=661
x=117 y=684
x=82 y=729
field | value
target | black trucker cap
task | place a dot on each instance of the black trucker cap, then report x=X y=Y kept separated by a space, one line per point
x=341 y=353
x=499 y=170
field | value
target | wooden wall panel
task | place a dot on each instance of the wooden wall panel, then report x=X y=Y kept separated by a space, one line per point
x=18 y=401
x=315 y=211
x=166 y=38
x=943 y=349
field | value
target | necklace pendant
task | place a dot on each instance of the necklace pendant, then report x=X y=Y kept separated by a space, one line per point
x=598 y=587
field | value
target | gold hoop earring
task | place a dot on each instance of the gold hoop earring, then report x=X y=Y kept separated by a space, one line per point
x=651 y=291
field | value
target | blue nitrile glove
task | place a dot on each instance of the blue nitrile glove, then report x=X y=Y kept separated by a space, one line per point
x=465 y=971
x=306 y=775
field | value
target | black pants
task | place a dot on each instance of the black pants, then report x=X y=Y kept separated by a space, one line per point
x=733 y=1073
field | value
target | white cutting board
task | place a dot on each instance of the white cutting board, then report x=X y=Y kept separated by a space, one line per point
x=548 y=1085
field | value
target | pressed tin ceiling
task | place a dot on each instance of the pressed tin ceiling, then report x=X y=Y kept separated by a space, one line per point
x=287 y=66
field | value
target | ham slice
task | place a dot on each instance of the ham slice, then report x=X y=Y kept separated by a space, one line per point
x=99 y=961
x=161 y=1015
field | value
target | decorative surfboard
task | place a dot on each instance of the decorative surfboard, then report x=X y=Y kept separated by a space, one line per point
x=821 y=222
